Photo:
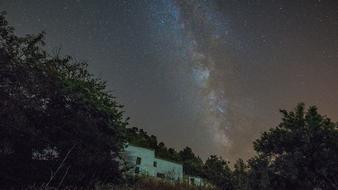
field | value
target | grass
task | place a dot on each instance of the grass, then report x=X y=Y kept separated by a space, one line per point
x=143 y=183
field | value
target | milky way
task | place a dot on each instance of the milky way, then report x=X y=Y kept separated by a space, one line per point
x=206 y=74
x=201 y=25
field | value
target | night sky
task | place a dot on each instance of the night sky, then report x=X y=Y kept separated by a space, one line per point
x=211 y=75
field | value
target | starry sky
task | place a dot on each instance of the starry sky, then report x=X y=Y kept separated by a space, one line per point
x=210 y=75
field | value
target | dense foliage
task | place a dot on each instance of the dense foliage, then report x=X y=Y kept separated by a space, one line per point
x=240 y=175
x=217 y=171
x=57 y=120
x=301 y=153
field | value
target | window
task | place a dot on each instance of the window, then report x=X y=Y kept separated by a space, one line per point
x=138 y=160
x=192 y=181
x=155 y=164
x=160 y=175
x=137 y=170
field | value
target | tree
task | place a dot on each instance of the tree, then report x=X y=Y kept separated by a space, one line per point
x=260 y=176
x=161 y=151
x=153 y=142
x=54 y=114
x=240 y=175
x=302 y=152
x=217 y=171
x=192 y=164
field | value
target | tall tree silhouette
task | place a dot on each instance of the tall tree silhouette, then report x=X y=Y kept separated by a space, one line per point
x=301 y=153
x=55 y=117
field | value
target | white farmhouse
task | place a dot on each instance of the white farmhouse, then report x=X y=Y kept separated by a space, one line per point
x=143 y=161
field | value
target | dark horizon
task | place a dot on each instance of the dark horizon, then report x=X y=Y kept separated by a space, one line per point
x=210 y=75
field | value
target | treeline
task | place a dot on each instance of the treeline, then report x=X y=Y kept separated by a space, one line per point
x=59 y=126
